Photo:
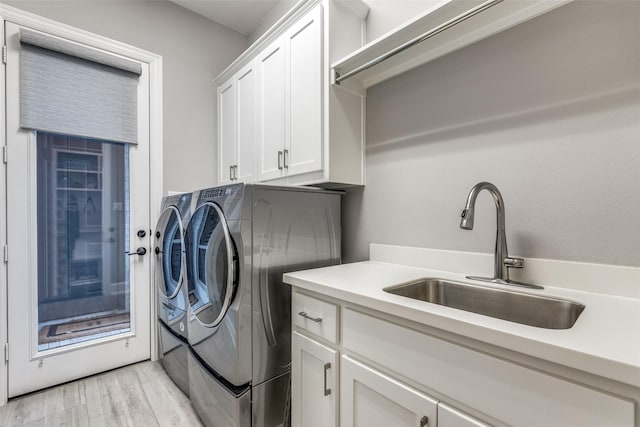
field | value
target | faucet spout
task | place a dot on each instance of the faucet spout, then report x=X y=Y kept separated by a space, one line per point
x=502 y=262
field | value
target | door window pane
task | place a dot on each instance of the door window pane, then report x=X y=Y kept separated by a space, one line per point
x=83 y=234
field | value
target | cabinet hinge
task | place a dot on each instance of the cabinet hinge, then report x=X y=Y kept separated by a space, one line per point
x=6 y=352
x=4 y=54
x=5 y=153
x=6 y=253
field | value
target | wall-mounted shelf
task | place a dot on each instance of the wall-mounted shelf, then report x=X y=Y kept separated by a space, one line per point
x=448 y=26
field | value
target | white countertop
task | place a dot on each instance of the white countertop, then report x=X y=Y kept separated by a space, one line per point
x=604 y=341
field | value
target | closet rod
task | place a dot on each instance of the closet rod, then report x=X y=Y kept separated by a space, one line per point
x=433 y=32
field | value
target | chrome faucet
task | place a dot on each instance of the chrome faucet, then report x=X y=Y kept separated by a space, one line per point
x=502 y=261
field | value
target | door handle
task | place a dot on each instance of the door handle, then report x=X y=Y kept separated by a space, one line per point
x=286 y=158
x=280 y=160
x=424 y=421
x=230 y=173
x=140 y=251
x=327 y=391
x=235 y=172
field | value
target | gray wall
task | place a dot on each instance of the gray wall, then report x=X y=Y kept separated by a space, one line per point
x=548 y=111
x=277 y=12
x=194 y=51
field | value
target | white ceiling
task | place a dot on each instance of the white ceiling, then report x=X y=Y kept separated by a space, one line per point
x=244 y=16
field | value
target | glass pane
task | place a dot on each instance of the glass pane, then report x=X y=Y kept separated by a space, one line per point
x=83 y=233
x=171 y=253
x=207 y=270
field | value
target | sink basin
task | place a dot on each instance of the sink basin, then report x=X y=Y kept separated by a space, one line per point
x=519 y=307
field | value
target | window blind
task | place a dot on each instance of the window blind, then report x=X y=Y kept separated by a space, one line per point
x=72 y=89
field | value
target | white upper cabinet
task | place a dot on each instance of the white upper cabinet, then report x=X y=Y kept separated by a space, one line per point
x=305 y=131
x=237 y=127
x=303 y=44
x=271 y=108
x=226 y=130
x=247 y=130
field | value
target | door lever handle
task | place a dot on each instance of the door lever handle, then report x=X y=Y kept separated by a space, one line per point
x=140 y=251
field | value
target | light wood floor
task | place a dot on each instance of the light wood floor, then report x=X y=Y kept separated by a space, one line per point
x=139 y=395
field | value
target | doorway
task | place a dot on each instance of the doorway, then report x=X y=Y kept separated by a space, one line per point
x=79 y=210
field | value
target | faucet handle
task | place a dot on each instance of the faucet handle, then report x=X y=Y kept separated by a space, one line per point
x=511 y=262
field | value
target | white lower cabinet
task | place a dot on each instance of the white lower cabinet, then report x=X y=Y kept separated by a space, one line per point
x=314 y=377
x=372 y=394
x=369 y=398
x=451 y=417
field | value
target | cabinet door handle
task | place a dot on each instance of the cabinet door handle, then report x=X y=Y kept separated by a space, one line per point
x=280 y=160
x=286 y=158
x=235 y=172
x=424 y=421
x=230 y=173
x=306 y=316
x=327 y=391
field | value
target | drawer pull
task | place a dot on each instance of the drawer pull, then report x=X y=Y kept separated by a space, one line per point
x=327 y=391
x=313 y=319
x=424 y=421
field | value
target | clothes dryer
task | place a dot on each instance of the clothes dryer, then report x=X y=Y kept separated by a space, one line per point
x=170 y=278
x=240 y=240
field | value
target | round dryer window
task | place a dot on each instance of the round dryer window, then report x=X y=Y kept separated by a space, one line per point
x=211 y=264
x=169 y=251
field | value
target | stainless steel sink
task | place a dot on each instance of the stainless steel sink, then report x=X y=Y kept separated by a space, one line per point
x=519 y=307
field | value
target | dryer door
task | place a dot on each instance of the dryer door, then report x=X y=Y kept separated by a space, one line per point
x=211 y=265
x=169 y=252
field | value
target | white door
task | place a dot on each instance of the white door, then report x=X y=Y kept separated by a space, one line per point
x=246 y=124
x=303 y=44
x=372 y=399
x=77 y=303
x=314 y=381
x=227 y=130
x=271 y=110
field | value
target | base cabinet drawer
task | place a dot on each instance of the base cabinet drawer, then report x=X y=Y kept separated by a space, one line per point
x=369 y=398
x=503 y=390
x=315 y=316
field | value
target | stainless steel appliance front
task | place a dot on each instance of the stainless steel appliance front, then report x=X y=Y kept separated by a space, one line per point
x=172 y=305
x=240 y=241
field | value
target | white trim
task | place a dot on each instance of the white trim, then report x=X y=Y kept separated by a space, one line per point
x=20 y=17
x=3 y=233
x=277 y=29
x=154 y=61
x=156 y=183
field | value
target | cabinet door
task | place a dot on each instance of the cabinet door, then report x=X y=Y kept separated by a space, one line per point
x=314 y=380
x=271 y=111
x=246 y=130
x=451 y=417
x=372 y=399
x=226 y=130
x=304 y=95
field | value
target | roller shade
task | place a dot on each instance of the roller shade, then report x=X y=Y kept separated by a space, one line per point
x=71 y=89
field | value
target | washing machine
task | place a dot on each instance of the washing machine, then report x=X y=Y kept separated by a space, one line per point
x=170 y=278
x=240 y=240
